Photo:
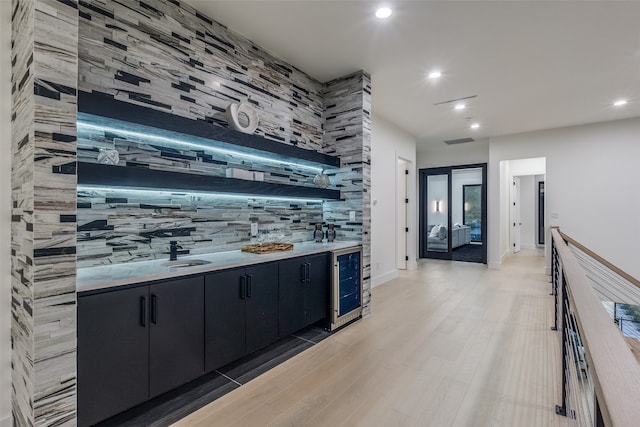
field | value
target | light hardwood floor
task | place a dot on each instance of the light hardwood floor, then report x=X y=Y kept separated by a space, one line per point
x=451 y=344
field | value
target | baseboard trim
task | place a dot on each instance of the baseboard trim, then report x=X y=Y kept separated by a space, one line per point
x=494 y=265
x=383 y=278
x=528 y=246
x=5 y=421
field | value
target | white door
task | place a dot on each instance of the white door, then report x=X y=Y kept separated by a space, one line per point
x=402 y=229
x=516 y=219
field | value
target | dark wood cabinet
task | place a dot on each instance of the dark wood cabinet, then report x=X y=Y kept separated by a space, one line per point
x=224 y=306
x=113 y=353
x=292 y=289
x=241 y=312
x=176 y=329
x=136 y=343
x=262 y=306
x=317 y=296
x=303 y=292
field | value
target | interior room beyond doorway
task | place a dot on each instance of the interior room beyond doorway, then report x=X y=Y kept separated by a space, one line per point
x=453 y=213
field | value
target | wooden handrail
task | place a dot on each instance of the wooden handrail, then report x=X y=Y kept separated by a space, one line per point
x=601 y=260
x=616 y=372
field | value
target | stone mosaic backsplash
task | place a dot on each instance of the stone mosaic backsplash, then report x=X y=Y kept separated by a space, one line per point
x=118 y=226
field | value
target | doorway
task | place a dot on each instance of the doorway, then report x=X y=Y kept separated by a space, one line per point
x=453 y=213
x=540 y=213
x=402 y=213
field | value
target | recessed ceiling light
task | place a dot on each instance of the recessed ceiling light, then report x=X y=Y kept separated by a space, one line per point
x=620 y=102
x=460 y=107
x=434 y=74
x=383 y=13
x=475 y=126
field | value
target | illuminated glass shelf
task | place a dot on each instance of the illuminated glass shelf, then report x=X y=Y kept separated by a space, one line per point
x=179 y=137
x=102 y=110
x=95 y=174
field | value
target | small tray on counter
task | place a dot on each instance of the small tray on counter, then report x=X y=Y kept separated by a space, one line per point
x=267 y=248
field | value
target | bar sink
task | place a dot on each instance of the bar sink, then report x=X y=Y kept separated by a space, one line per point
x=186 y=263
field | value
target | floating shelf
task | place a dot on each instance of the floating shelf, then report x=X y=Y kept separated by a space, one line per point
x=100 y=109
x=143 y=178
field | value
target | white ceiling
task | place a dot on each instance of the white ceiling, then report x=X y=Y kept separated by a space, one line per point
x=532 y=64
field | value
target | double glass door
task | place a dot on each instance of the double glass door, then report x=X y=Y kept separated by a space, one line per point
x=453 y=213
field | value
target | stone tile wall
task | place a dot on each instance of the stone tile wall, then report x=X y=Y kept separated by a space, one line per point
x=163 y=55
x=177 y=60
x=43 y=245
x=347 y=118
x=166 y=55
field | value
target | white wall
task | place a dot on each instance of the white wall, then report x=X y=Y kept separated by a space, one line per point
x=519 y=167
x=389 y=142
x=434 y=156
x=591 y=188
x=5 y=213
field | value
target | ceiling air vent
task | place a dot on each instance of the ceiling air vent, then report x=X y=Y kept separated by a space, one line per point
x=458 y=141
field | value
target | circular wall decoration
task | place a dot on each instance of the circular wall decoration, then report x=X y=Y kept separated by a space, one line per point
x=322 y=180
x=242 y=117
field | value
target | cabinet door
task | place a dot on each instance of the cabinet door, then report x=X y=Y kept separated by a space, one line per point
x=113 y=353
x=317 y=295
x=224 y=328
x=261 y=306
x=291 y=295
x=176 y=343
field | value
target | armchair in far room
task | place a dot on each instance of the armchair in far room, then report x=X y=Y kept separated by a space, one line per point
x=460 y=235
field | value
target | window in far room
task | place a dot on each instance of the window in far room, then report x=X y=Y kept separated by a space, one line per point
x=472 y=210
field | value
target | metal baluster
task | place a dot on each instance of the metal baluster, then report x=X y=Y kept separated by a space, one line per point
x=562 y=409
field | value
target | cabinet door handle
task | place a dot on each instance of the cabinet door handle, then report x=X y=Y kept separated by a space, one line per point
x=143 y=312
x=303 y=273
x=243 y=287
x=308 y=272
x=249 y=279
x=154 y=308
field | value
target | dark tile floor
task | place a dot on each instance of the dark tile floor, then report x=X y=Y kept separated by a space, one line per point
x=468 y=253
x=176 y=404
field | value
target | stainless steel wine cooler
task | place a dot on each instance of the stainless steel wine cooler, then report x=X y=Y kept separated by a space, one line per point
x=346 y=289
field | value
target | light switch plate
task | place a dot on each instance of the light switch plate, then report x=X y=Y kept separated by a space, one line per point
x=352 y=215
x=254 y=228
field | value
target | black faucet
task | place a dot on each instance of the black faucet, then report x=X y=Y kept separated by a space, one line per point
x=173 y=250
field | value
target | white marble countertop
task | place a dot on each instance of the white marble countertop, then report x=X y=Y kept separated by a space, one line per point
x=107 y=276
